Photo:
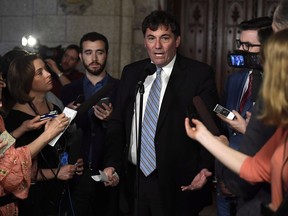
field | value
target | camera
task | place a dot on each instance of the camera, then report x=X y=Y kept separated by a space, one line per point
x=54 y=53
x=240 y=59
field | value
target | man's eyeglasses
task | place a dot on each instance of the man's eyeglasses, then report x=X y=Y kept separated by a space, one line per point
x=245 y=45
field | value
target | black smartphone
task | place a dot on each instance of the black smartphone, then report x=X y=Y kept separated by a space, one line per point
x=80 y=99
x=105 y=100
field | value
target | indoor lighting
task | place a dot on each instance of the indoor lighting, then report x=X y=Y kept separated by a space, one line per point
x=29 y=41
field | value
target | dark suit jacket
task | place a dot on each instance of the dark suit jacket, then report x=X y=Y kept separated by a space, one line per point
x=94 y=130
x=232 y=97
x=179 y=158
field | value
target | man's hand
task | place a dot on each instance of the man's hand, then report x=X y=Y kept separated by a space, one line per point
x=113 y=179
x=239 y=124
x=53 y=66
x=198 y=182
x=104 y=113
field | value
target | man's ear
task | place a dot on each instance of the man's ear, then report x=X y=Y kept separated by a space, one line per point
x=178 y=40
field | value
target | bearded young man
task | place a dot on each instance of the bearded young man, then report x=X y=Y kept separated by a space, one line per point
x=88 y=196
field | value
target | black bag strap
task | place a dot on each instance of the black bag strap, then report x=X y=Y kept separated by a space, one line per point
x=9 y=198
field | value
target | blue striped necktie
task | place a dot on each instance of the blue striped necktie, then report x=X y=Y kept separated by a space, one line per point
x=148 y=155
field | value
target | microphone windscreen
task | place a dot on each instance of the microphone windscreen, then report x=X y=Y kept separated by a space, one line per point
x=205 y=116
x=149 y=69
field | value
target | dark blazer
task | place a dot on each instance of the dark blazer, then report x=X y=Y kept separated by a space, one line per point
x=93 y=131
x=179 y=158
x=233 y=91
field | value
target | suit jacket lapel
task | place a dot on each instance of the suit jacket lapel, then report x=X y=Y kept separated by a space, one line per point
x=176 y=78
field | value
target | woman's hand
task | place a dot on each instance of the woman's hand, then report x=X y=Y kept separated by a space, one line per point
x=56 y=125
x=32 y=124
x=197 y=132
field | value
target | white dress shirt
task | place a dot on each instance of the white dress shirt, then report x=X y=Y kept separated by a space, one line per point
x=165 y=75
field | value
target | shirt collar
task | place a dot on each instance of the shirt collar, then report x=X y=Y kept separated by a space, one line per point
x=100 y=83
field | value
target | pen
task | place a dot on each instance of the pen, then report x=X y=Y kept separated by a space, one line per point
x=46 y=116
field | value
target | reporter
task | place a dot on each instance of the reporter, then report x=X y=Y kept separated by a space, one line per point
x=16 y=163
x=270 y=163
x=28 y=82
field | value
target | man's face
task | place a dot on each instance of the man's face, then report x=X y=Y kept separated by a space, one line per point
x=161 y=45
x=250 y=37
x=94 y=56
x=69 y=60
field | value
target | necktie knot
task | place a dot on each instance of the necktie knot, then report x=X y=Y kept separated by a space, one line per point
x=158 y=71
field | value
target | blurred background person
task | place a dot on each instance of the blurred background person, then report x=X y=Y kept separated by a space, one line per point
x=66 y=71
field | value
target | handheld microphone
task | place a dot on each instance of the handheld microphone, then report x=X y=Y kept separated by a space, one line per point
x=205 y=115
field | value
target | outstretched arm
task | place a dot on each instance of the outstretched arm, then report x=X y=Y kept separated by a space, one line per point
x=226 y=155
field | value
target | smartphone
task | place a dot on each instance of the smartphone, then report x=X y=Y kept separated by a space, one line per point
x=79 y=100
x=105 y=100
x=224 y=112
x=51 y=114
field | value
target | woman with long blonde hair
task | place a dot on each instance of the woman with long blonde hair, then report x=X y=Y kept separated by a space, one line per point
x=270 y=164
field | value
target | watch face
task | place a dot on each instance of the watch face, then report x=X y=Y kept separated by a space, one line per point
x=75 y=7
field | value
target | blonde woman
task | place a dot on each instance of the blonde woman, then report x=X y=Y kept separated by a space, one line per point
x=270 y=164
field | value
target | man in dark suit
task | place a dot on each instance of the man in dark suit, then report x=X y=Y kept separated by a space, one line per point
x=178 y=161
x=88 y=196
